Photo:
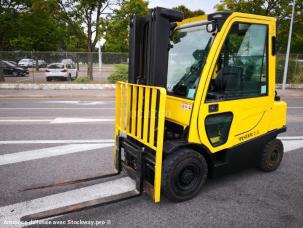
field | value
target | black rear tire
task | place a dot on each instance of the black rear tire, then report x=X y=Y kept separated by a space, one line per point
x=184 y=173
x=271 y=156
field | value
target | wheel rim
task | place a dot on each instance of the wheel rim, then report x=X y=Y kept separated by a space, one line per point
x=274 y=156
x=187 y=176
x=187 y=179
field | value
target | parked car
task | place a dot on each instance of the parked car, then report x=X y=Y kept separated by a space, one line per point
x=16 y=65
x=12 y=62
x=61 y=71
x=42 y=63
x=10 y=69
x=26 y=63
x=67 y=61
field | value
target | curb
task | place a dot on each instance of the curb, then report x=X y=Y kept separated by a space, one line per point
x=67 y=86
x=32 y=86
x=290 y=86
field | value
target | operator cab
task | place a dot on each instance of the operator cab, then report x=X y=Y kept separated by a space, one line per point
x=240 y=69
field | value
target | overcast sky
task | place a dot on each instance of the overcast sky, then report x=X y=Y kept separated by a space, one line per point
x=205 y=5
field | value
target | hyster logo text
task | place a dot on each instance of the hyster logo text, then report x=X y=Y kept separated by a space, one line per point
x=248 y=135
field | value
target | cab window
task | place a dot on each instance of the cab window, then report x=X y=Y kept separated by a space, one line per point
x=187 y=55
x=241 y=69
x=217 y=128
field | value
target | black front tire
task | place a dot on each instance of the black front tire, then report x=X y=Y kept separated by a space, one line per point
x=271 y=156
x=184 y=173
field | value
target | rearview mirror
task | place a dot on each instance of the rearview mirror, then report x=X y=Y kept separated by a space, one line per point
x=211 y=27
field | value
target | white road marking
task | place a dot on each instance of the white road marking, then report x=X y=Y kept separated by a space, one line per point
x=75 y=102
x=290 y=145
x=24 y=120
x=87 y=108
x=59 y=120
x=85 y=196
x=290 y=137
x=79 y=120
x=49 y=152
x=72 y=141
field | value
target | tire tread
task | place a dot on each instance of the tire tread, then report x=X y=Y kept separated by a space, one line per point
x=168 y=165
x=264 y=165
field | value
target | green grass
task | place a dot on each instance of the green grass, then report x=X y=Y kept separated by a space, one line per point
x=83 y=80
x=121 y=73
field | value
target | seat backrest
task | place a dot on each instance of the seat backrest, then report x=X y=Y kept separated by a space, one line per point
x=228 y=79
x=233 y=76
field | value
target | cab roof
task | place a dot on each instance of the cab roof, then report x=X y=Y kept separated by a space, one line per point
x=223 y=16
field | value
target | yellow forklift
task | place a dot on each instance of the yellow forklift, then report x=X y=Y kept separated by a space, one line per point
x=200 y=101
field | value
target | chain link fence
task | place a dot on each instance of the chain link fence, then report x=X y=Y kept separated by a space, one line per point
x=41 y=59
x=101 y=73
x=77 y=57
x=295 y=69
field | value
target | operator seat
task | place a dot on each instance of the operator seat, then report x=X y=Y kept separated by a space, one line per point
x=229 y=80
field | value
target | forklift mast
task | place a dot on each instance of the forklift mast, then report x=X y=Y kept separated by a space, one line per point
x=149 y=39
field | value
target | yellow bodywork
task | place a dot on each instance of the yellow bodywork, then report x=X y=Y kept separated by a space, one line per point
x=178 y=110
x=252 y=117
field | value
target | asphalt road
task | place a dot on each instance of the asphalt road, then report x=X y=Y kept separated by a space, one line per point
x=39 y=76
x=43 y=126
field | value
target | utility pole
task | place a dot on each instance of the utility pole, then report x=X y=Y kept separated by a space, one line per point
x=100 y=44
x=288 y=46
x=100 y=57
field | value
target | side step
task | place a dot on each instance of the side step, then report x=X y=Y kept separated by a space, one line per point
x=61 y=203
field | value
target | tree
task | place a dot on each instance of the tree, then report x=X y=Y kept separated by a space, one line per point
x=88 y=13
x=187 y=12
x=117 y=27
x=37 y=26
x=281 y=9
